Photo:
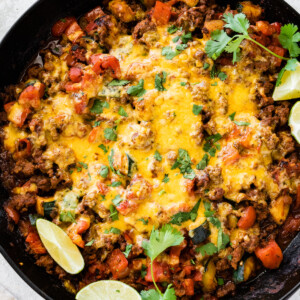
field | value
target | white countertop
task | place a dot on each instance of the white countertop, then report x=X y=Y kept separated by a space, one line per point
x=10 y=11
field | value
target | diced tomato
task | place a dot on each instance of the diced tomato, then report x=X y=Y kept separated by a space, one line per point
x=32 y=94
x=60 y=26
x=94 y=14
x=75 y=74
x=265 y=28
x=82 y=225
x=8 y=106
x=35 y=243
x=175 y=253
x=80 y=103
x=127 y=206
x=160 y=272
x=198 y=276
x=102 y=62
x=270 y=255
x=230 y=155
x=262 y=39
x=76 y=229
x=279 y=51
x=93 y=135
x=248 y=218
x=188 y=286
x=12 y=213
x=102 y=187
x=74 y=32
x=117 y=263
x=188 y=269
x=161 y=13
x=277 y=27
x=245 y=140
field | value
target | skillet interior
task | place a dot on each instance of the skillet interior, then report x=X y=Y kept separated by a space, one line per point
x=17 y=49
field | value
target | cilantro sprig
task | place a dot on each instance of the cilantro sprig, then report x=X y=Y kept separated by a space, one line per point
x=160 y=240
x=220 y=41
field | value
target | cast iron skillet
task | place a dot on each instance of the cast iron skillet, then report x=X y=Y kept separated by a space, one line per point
x=17 y=50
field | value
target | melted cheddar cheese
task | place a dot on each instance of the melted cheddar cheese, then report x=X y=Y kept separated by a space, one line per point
x=159 y=121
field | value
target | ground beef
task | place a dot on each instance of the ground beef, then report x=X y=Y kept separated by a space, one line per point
x=22 y=202
x=24 y=167
x=237 y=255
x=192 y=18
x=216 y=194
x=47 y=262
x=141 y=28
x=222 y=265
x=225 y=289
x=272 y=115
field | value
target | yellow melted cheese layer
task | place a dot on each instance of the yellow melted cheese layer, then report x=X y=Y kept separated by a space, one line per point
x=170 y=133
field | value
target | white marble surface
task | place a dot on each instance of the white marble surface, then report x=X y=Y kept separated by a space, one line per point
x=11 y=10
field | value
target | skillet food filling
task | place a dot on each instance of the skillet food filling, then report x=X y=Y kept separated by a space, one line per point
x=135 y=123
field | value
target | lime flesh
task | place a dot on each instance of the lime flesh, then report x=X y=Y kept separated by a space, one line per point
x=108 y=290
x=60 y=246
x=289 y=87
x=294 y=121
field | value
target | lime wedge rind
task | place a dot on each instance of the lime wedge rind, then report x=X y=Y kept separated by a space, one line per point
x=294 y=121
x=60 y=246
x=108 y=290
x=289 y=87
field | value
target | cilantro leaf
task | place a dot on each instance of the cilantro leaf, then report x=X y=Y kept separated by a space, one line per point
x=181 y=217
x=289 y=37
x=207 y=249
x=234 y=47
x=206 y=66
x=160 y=79
x=231 y=117
x=223 y=240
x=127 y=250
x=150 y=295
x=145 y=222
x=222 y=76
x=122 y=112
x=184 y=162
x=137 y=90
x=290 y=66
x=110 y=134
x=114 y=230
x=181 y=47
x=217 y=44
x=161 y=239
x=203 y=162
x=90 y=243
x=215 y=221
x=166 y=178
x=241 y=123
x=117 y=200
x=117 y=82
x=169 y=53
x=197 y=109
x=157 y=156
x=186 y=37
x=238 y=23
x=172 y=29
x=208 y=212
x=111 y=161
x=103 y=171
x=115 y=184
x=113 y=213
x=103 y=148
x=98 y=106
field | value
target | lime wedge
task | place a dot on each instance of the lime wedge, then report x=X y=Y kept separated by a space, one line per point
x=294 y=121
x=289 y=87
x=108 y=290
x=60 y=247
